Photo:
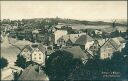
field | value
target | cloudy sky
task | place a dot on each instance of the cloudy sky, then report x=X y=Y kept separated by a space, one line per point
x=83 y=10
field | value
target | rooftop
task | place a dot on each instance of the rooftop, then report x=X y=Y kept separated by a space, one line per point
x=76 y=51
x=83 y=39
x=31 y=74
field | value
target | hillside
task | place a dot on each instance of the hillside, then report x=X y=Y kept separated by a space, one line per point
x=51 y=22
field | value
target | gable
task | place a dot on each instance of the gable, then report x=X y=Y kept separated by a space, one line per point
x=81 y=40
x=37 y=50
x=109 y=44
x=25 y=50
x=69 y=41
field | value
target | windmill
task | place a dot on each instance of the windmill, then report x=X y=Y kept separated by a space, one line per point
x=114 y=23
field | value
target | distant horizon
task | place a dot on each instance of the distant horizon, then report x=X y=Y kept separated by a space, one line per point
x=78 y=10
x=104 y=20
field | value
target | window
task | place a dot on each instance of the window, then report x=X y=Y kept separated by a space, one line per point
x=39 y=57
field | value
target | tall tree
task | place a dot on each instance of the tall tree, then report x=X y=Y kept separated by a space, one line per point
x=62 y=66
x=21 y=62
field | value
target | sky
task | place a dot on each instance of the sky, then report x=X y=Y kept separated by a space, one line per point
x=82 y=10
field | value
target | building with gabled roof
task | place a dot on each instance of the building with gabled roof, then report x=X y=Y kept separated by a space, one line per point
x=78 y=53
x=59 y=33
x=69 y=39
x=104 y=48
x=109 y=47
x=84 y=41
x=31 y=73
x=120 y=41
x=35 y=52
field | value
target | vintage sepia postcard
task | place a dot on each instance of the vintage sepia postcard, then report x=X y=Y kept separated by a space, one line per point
x=64 y=41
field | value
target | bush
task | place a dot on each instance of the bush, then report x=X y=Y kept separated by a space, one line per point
x=3 y=63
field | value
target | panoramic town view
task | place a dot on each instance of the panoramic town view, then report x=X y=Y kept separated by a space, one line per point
x=62 y=47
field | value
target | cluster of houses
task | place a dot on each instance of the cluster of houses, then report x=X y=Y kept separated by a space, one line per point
x=36 y=53
x=60 y=37
x=81 y=45
x=101 y=47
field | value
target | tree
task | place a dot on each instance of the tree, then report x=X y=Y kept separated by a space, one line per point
x=125 y=49
x=3 y=63
x=61 y=66
x=16 y=76
x=57 y=65
x=21 y=62
x=78 y=71
x=124 y=52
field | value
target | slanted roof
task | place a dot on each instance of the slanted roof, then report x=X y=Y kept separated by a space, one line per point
x=22 y=43
x=120 y=39
x=31 y=74
x=42 y=48
x=83 y=39
x=72 y=37
x=112 y=43
x=28 y=47
x=39 y=46
x=69 y=41
x=101 y=41
x=76 y=51
x=32 y=47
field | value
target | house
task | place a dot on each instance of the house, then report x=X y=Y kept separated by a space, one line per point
x=59 y=33
x=108 y=48
x=60 y=25
x=35 y=53
x=104 y=48
x=69 y=39
x=26 y=52
x=78 y=53
x=120 y=41
x=84 y=41
x=98 y=32
x=122 y=29
x=32 y=72
x=38 y=54
x=94 y=49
